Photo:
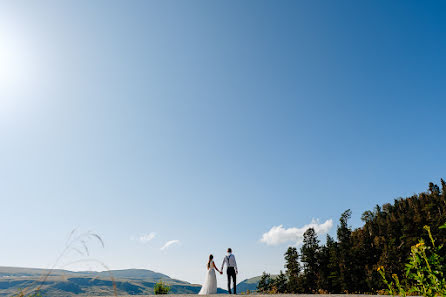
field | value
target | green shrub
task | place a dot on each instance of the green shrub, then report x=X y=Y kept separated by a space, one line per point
x=161 y=288
x=424 y=272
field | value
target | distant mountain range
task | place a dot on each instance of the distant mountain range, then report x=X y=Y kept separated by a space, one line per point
x=85 y=283
x=248 y=284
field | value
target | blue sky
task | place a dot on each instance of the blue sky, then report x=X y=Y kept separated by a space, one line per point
x=207 y=123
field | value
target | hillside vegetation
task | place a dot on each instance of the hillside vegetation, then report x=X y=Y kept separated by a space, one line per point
x=249 y=284
x=349 y=263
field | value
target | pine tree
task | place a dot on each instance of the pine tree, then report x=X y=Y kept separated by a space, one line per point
x=280 y=283
x=309 y=251
x=434 y=189
x=344 y=245
x=334 y=277
x=293 y=269
x=325 y=267
x=264 y=285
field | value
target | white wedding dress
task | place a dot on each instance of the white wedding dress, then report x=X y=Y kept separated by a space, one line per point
x=210 y=283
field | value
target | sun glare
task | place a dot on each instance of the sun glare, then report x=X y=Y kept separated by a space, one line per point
x=18 y=76
x=12 y=62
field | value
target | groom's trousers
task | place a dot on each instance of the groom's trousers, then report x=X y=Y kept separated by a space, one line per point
x=231 y=274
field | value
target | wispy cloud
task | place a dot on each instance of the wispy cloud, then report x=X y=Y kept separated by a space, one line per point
x=169 y=244
x=278 y=234
x=144 y=238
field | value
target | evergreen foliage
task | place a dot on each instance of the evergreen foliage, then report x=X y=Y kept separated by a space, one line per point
x=264 y=285
x=293 y=270
x=349 y=264
x=279 y=284
x=309 y=258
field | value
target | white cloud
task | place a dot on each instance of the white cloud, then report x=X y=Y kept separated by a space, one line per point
x=144 y=238
x=169 y=244
x=278 y=234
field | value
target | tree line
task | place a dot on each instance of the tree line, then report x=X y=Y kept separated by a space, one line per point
x=349 y=264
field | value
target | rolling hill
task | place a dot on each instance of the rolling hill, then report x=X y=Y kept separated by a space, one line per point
x=248 y=284
x=86 y=283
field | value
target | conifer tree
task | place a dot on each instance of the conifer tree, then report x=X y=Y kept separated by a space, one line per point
x=344 y=245
x=292 y=270
x=309 y=251
x=264 y=285
x=280 y=283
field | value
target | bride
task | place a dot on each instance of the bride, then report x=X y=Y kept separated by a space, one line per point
x=210 y=284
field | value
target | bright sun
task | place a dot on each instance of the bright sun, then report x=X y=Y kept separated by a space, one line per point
x=12 y=62
x=18 y=76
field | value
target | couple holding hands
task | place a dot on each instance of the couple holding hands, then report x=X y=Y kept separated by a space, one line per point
x=210 y=284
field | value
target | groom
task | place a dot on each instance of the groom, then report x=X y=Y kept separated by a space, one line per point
x=231 y=271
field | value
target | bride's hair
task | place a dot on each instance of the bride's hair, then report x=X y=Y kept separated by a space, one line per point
x=210 y=260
